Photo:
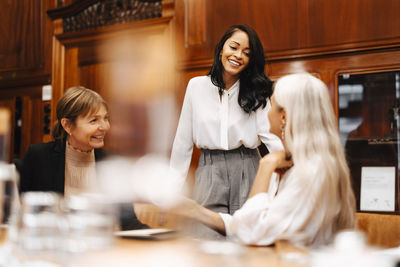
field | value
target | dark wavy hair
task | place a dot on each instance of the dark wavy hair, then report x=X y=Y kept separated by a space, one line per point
x=255 y=86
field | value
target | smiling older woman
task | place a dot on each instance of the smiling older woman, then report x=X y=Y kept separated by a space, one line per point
x=67 y=164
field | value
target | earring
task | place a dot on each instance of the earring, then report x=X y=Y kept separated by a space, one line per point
x=283 y=130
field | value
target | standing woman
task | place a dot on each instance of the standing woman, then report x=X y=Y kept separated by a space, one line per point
x=307 y=203
x=225 y=115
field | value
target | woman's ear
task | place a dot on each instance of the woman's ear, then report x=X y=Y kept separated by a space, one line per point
x=283 y=115
x=66 y=124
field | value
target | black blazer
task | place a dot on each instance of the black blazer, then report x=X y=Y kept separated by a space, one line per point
x=43 y=169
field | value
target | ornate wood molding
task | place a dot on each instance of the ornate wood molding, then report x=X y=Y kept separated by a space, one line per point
x=89 y=14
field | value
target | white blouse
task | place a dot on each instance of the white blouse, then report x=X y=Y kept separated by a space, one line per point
x=211 y=122
x=292 y=210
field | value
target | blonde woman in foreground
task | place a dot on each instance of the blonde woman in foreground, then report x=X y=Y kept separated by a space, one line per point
x=302 y=194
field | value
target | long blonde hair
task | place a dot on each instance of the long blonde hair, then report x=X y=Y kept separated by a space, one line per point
x=311 y=136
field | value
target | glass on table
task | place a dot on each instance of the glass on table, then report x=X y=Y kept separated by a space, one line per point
x=41 y=227
x=9 y=205
x=91 y=222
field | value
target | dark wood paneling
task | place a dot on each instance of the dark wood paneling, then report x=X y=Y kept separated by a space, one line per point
x=25 y=64
x=21 y=33
x=25 y=46
x=292 y=28
x=96 y=77
x=195 y=23
x=329 y=67
x=31 y=116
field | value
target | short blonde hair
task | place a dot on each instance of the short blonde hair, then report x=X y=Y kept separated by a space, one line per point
x=76 y=101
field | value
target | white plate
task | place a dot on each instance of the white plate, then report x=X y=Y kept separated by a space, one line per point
x=155 y=233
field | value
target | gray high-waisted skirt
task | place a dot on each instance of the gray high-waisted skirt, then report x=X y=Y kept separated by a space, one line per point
x=223 y=181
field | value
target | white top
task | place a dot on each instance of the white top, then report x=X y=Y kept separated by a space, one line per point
x=211 y=122
x=292 y=210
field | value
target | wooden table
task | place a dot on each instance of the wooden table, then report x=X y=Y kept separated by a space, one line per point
x=187 y=252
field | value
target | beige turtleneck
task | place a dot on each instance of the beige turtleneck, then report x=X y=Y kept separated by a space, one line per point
x=80 y=171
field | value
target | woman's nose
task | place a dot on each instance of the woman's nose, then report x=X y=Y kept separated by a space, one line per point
x=104 y=125
x=238 y=54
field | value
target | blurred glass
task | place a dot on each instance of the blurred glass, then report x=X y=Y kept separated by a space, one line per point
x=349 y=249
x=91 y=222
x=41 y=227
x=8 y=193
x=141 y=93
x=9 y=207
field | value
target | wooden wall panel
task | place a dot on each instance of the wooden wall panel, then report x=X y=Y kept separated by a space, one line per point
x=25 y=46
x=96 y=77
x=328 y=68
x=293 y=28
x=31 y=115
x=195 y=22
x=21 y=26
x=71 y=71
x=25 y=63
